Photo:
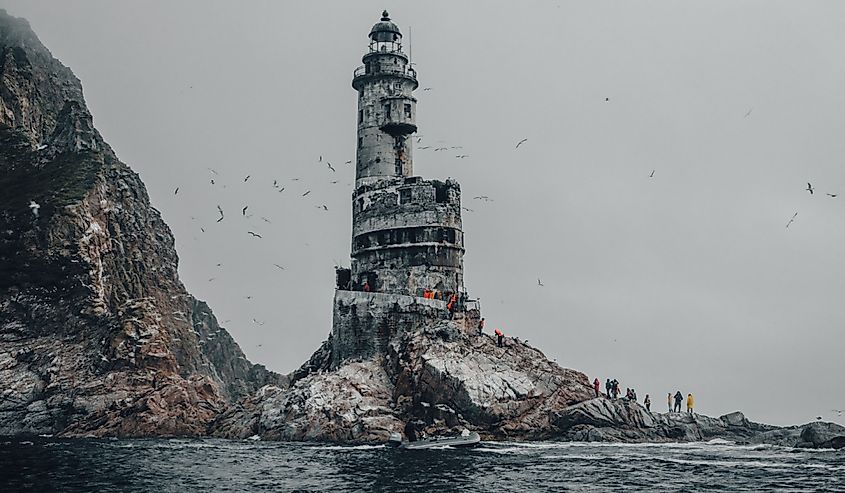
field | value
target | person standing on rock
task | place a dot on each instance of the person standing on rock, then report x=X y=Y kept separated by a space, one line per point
x=690 y=403
x=647 y=403
x=481 y=326
x=669 y=401
x=679 y=398
x=597 y=386
x=634 y=395
x=411 y=431
x=500 y=337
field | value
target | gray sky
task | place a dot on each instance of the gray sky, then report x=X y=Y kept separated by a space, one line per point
x=688 y=280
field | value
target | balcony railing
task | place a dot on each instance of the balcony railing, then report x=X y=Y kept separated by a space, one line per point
x=407 y=72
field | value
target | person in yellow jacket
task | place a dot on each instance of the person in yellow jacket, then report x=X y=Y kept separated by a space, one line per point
x=690 y=403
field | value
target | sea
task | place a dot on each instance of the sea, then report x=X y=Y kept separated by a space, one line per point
x=211 y=465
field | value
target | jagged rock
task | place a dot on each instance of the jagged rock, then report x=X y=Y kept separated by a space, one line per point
x=93 y=316
x=440 y=375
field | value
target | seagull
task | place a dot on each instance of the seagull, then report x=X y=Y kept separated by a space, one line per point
x=837 y=411
x=520 y=143
x=320 y=160
x=325 y=208
x=819 y=418
x=254 y=234
x=462 y=156
x=34 y=206
x=467 y=209
x=221 y=213
x=539 y=283
x=832 y=194
x=209 y=169
x=247 y=178
x=275 y=184
x=248 y=297
x=791 y=220
x=748 y=112
x=330 y=166
x=809 y=188
x=212 y=181
x=176 y=191
x=281 y=189
x=652 y=174
x=202 y=229
x=255 y=321
x=426 y=88
x=266 y=220
x=279 y=267
x=482 y=197
x=440 y=148
x=348 y=162
x=306 y=193
x=243 y=211
x=607 y=99
x=211 y=279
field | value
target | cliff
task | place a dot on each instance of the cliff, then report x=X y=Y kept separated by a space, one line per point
x=94 y=321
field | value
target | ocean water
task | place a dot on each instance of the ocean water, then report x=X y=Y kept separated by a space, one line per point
x=206 y=465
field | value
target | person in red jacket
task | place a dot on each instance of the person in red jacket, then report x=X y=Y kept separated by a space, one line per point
x=596 y=386
x=500 y=337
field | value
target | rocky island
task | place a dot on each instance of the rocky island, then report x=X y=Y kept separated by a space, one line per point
x=99 y=337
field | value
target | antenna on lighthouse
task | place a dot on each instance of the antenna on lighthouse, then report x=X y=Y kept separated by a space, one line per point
x=410 y=48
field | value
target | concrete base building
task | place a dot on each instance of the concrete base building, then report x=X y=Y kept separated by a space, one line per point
x=407 y=241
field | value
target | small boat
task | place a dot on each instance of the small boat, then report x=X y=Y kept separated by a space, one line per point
x=466 y=440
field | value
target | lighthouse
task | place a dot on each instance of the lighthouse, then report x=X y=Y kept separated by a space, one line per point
x=407 y=237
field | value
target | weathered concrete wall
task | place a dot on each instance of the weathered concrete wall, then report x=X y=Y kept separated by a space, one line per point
x=386 y=116
x=407 y=237
x=364 y=323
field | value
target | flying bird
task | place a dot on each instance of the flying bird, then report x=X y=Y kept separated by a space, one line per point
x=462 y=156
x=520 y=143
x=483 y=197
x=607 y=99
x=791 y=220
x=832 y=194
x=281 y=189
x=243 y=211
x=540 y=283
x=279 y=267
x=467 y=209
x=266 y=220
x=275 y=184
x=330 y=166
x=424 y=147
x=320 y=160
x=748 y=112
x=306 y=193
x=34 y=206
x=202 y=229
x=212 y=181
x=426 y=88
x=324 y=207
x=837 y=411
x=247 y=178
x=176 y=191
x=254 y=234
x=209 y=169
x=255 y=321
x=348 y=162
x=809 y=188
x=652 y=174
x=221 y=213
x=211 y=279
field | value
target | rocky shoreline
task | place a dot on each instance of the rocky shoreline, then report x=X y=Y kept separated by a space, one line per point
x=99 y=337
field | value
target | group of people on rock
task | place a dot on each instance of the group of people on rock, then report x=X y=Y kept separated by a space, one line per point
x=500 y=336
x=679 y=399
x=612 y=392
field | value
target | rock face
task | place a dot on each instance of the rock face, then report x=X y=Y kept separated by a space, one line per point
x=441 y=375
x=94 y=322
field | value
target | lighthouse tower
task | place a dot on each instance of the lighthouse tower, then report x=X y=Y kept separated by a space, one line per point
x=406 y=231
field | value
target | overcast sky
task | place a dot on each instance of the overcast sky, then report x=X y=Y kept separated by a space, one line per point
x=688 y=280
